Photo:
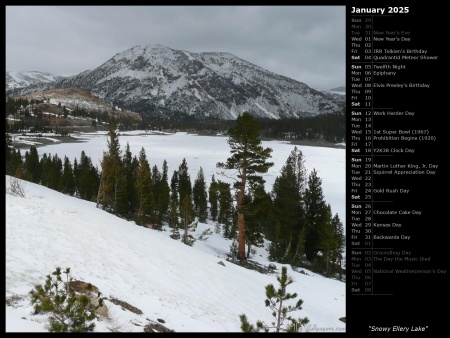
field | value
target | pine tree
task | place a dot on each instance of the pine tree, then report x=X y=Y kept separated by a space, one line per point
x=87 y=178
x=258 y=216
x=289 y=211
x=162 y=203
x=112 y=189
x=67 y=179
x=276 y=302
x=187 y=215
x=174 y=186
x=173 y=218
x=316 y=215
x=184 y=181
x=200 y=196
x=156 y=186
x=45 y=165
x=144 y=189
x=55 y=173
x=32 y=168
x=213 y=197
x=14 y=164
x=226 y=209
x=130 y=165
x=249 y=158
x=331 y=241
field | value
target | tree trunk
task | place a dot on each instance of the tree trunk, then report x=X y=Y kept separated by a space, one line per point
x=286 y=253
x=241 y=221
x=241 y=245
x=101 y=190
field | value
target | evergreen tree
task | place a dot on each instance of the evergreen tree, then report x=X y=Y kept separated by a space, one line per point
x=316 y=215
x=156 y=184
x=87 y=178
x=144 y=189
x=55 y=173
x=213 y=197
x=276 y=301
x=258 y=216
x=226 y=209
x=163 y=193
x=200 y=196
x=14 y=164
x=130 y=165
x=45 y=165
x=187 y=215
x=332 y=242
x=288 y=208
x=249 y=158
x=112 y=189
x=184 y=181
x=32 y=168
x=174 y=186
x=67 y=179
x=174 y=216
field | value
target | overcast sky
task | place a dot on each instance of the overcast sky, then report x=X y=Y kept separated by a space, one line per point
x=306 y=43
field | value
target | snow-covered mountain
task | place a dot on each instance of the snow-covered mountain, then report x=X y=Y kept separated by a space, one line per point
x=157 y=80
x=28 y=78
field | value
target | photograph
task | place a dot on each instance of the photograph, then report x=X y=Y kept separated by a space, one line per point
x=176 y=169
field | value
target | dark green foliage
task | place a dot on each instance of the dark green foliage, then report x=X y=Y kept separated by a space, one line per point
x=226 y=209
x=200 y=196
x=111 y=193
x=32 y=167
x=144 y=190
x=173 y=218
x=184 y=181
x=174 y=186
x=258 y=216
x=276 y=302
x=287 y=232
x=87 y=178
x=161 y=194
x=67 y=179
x=187 y=215
x=316 y=215
x=175 y=233
x=332 y=242
x=213 y=197
x=249 y=159
x=69 y=311
x=130 y=165
x=14 y=163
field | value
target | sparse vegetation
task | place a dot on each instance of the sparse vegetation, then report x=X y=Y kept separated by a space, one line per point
x=275 y=301
x=70 y=311
x=15 y=187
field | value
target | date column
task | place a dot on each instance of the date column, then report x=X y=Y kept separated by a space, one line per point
x=361 y=124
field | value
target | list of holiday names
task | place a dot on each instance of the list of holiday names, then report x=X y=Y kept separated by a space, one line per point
x=387 y=153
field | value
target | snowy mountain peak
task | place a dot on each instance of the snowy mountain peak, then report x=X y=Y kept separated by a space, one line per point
x=157 y=80
x=27 y=78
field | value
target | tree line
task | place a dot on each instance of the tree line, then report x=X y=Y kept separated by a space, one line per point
x=294 y=216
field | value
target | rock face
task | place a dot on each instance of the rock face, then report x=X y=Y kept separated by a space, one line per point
x=92 y=292
x=158 y=81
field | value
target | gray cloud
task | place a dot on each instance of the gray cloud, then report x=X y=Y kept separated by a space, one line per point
x=306 y=43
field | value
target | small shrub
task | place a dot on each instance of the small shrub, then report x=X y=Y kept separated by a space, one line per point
x=275 y=301
x=205 y=234
x=15 y=187
x=69 y=311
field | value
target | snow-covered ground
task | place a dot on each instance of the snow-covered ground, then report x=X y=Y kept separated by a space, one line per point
x=165 y=279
